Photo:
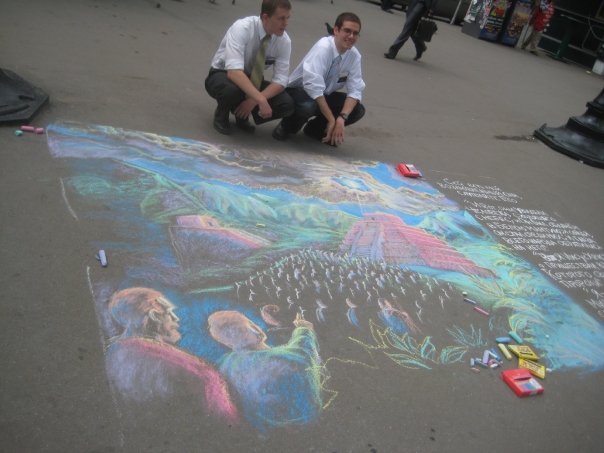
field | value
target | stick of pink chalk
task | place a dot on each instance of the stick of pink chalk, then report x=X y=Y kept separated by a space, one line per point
x=28 y=128
x=480 y=310
x=39 y=130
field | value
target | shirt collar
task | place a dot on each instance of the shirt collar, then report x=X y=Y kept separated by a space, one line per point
x=334 y=49
x=261 y=32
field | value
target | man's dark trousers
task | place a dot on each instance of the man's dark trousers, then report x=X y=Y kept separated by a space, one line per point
x=307 y=107
x=229 y=96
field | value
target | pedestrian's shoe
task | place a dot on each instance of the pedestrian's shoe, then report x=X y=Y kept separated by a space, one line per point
x=279 y=133
x=420 y=52
x=390 y=55
x=245 y=125
x=221 y=120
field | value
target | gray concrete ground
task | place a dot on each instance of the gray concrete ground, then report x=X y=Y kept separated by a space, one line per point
x=140 y=65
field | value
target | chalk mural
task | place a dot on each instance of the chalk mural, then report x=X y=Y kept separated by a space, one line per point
x=241 y=275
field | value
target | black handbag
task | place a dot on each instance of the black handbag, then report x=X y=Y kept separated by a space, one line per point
x=425 y=29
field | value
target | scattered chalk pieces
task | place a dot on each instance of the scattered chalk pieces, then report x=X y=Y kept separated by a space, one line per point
x=481 y=310
x=35 y=130
x=516 y=337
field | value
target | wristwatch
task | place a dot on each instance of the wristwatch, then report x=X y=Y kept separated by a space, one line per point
x=344 y=115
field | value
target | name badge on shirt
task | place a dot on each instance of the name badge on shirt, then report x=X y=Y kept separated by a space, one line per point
x=343 y=77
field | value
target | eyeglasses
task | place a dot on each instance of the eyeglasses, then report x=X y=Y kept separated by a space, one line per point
x=349 y=31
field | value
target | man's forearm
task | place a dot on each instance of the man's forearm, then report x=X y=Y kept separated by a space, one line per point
x=272 y=90
x=239 y=78
x=349 y=105
x=324 y=108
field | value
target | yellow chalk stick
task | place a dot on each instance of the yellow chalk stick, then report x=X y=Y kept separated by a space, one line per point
x=505 y=351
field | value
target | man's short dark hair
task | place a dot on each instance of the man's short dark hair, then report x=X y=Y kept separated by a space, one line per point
x=270 y=6
x=350 y=17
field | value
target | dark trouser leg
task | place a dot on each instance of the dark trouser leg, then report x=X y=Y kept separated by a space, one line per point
x=304 y=108
x=420 y=45
x=229 y=96
x=335 y=101
x=413 y=16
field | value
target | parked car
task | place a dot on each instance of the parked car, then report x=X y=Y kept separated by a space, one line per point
x=443 y=9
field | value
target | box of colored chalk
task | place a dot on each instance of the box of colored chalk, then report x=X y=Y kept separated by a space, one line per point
x=522 y=382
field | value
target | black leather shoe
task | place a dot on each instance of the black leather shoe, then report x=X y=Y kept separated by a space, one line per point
x=221 y=121
x=245 y=125
x=279 y=133
x=390 y=56
x=420 y=52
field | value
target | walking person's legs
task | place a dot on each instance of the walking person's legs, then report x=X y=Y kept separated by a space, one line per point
x=413 y=16
x=535 y=38
x=420 y=46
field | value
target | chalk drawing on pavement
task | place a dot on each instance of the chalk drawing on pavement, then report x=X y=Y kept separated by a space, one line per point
x=249 y=272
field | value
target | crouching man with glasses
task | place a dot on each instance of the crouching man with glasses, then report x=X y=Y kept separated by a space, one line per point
x=331 y=64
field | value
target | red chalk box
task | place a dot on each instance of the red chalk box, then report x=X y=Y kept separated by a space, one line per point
x=522 y=382
x=408 y=170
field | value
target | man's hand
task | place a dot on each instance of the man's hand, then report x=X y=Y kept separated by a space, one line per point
x=334 y=134
x=244 y=109
x=299 y=322
x=260 y=98
x=264 y=109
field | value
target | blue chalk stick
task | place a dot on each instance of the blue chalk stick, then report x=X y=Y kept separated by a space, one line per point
x=470 y=301
x=495 y=355
x=505 y=340
x=516 y=337
x=103 y=258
